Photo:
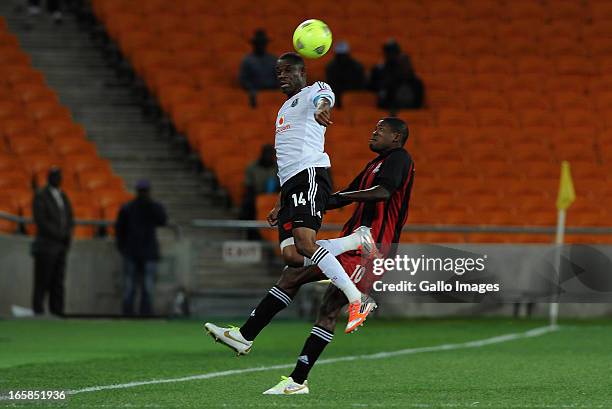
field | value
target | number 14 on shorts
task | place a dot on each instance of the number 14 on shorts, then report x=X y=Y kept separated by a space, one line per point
x=298 y=201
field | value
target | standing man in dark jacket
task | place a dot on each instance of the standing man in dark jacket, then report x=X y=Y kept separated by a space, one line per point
x=54 y=223
x=137 y=243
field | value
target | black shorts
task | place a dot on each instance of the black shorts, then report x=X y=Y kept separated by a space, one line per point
x=303 y=201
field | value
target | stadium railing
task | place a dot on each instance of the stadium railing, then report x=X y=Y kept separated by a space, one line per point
x=104 y=225
x=440 y=228
x=421 y=228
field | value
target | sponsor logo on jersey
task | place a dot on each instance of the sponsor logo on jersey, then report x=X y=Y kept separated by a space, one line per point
x=281 y=129
x=377 y=168
x=294 y=103
x=281 y=125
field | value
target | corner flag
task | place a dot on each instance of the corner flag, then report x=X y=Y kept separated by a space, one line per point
x=566 y=195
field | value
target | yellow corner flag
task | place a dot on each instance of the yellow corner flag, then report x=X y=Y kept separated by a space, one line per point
x=566 y=195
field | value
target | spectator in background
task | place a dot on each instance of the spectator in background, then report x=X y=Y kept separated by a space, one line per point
x=343 y=72
x=258 y=69
x=53 y=7
x=260 y=177
x=54 y=223
x=395 y=81
x=137 y=243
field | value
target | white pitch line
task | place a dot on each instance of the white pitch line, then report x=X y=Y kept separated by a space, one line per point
x=380 y=355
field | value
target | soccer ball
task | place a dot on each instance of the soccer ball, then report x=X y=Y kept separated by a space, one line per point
x=312 y=38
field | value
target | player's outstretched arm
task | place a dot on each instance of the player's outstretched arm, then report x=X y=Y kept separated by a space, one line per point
x=323 y=112
x=373 y=194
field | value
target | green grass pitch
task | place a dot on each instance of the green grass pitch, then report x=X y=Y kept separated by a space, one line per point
x=569 y=368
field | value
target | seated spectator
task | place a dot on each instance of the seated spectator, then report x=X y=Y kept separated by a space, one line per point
x=343 y=72
x=260 y=177
x=258 y=69
x=395 y=81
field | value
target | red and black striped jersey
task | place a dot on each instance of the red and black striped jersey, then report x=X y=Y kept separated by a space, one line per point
x=393 y=170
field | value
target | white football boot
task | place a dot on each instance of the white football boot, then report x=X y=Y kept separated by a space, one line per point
x=288 y=386
x=230 y=337
x=368 y=245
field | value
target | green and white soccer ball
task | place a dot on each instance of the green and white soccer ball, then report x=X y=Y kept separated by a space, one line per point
x=312 y=38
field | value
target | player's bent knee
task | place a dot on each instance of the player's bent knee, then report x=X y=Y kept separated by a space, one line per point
x=292 y=258
x=305 y=246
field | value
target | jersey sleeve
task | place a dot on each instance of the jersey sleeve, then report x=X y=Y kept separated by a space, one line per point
x=393 y=171
x=319 y=90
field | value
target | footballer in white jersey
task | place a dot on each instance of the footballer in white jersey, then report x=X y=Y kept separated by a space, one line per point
x=305 y=183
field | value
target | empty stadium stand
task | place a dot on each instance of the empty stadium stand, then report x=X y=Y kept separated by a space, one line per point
x=61 y=104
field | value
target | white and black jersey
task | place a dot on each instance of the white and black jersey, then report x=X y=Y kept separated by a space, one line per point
x=300 y=140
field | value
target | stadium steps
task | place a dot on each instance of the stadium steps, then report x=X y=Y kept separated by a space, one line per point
x=110 y=113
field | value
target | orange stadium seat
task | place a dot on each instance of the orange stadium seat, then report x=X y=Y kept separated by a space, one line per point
x=13 y=56
x=72 y=145
x=538 y=117
x=448 y=64
x=527 y=99
x=92 y=180
x=534 y=65
x=28 y=144
x=579 y=117
x=172 y=94
x=34 y=92
x=9 y=109
x=14 y=179
x=111 y=196
x=84 y=213
x=60 y=128
x=38 y=162
x=455 y=117
x=564 y=46
x=568 y=10
x=574 y=65
x=22 y=74
x=520 y=46
x=78 y=162
x=573 y=83
x=563 y=100
x=525 y=9
x=601 y=10
x=486 y=99
x=495 y=117
x=41 y=110
x=600 y=47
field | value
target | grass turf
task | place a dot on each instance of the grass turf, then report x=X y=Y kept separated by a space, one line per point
x=568 y=368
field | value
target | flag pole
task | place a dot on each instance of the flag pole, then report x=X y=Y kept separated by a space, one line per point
x=559 y=236
x=565 y=198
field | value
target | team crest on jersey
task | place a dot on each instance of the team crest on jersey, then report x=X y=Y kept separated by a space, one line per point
x=294 y=103
x=281 y=120
x=377 y=168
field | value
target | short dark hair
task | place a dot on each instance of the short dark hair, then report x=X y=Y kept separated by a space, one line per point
x=293 y=59
x=399 y=126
